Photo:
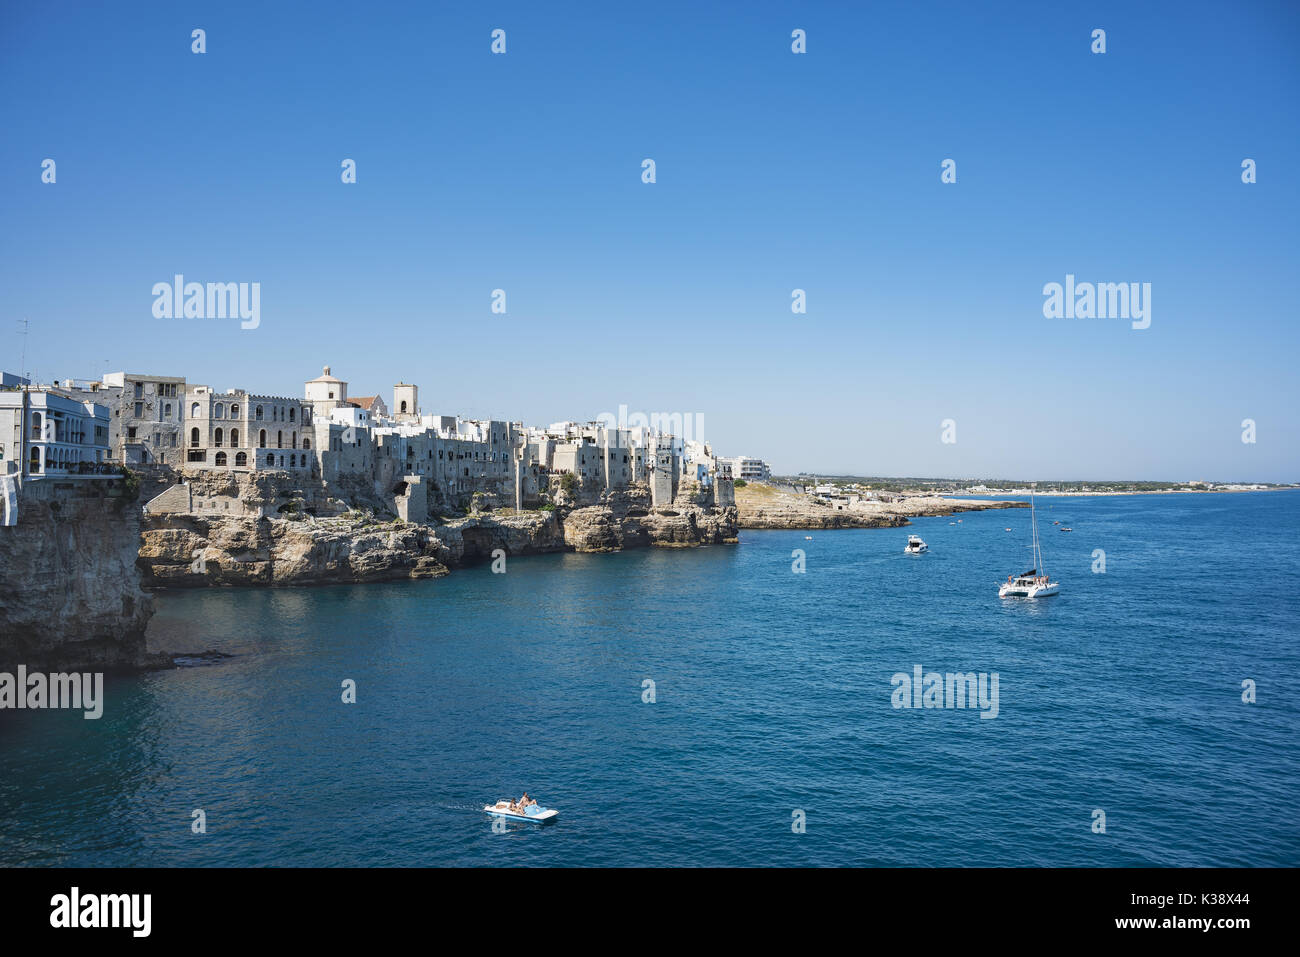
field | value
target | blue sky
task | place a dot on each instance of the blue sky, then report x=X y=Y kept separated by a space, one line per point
x=775 y=171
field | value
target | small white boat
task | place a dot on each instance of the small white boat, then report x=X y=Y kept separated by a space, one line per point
x=915 y=546
x=534 y=812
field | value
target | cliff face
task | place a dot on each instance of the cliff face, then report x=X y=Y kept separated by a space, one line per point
x=192 y=550
x=70 y=595
x=222 y=544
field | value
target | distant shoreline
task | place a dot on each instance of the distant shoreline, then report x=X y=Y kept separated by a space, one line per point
x=1155 y=491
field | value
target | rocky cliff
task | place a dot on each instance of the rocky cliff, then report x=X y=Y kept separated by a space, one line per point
x=245 y=538
x=761 y=506
x=70 y=595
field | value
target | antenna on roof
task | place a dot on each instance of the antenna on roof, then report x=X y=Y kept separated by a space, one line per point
x=23 y=372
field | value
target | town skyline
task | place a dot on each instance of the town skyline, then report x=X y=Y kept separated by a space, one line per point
x=823 y=173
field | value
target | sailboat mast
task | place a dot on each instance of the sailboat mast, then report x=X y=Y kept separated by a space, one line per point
x=1033 y=525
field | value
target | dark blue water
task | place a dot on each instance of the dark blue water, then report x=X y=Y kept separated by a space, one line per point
x=773 y=696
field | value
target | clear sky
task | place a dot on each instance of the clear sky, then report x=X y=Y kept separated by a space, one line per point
x=775 y=171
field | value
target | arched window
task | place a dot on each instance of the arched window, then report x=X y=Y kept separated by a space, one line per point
x=234 y=438
x=306 y=443
x=35 y=464
x=261 y=439
x=221 y=458
x=234 y=411
x=279 y=442
x=194 y=410
x=259 y=413
x=291 y=413
x=403 y=405
x=217 y=437
x=194 y=438
x=36 y=426
x=293 y=461
x=167 y=411
x=241 y=459
x=219 y=412
x=293 y=441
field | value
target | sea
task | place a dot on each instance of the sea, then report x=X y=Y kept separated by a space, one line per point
x=735 y=705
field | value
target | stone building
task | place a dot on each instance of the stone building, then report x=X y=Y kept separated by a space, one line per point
x=240 y=430
x=146 y=415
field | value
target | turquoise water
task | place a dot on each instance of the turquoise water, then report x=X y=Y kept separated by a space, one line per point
x=773 y=696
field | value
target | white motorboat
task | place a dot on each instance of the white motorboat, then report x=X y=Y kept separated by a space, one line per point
x=534 y=812
x=1034 y=583
x=915 y=546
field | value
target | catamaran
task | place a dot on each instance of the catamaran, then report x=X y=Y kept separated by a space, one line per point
x=1033 y=583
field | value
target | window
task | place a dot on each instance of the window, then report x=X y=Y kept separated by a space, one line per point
x=220 y=412
x=234 y=438
x=291 y=413
x=261 y=439
x=331 y=395
x=403 y=405
x=139 y=410
x=167 y=411
x=130 y=433
x=221 y=458
x=234 y=411
x=293 y=442
x=196 y=455
x=279 y=442
x=258 y=414
x=35 y=464
x=217 y=437
x=194 y=438
x=194 y=410
x=306 y=443
x=241 y=459
x=270 y=459
x=139 y=389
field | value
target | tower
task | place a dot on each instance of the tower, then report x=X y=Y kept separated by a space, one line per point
x=406 y=402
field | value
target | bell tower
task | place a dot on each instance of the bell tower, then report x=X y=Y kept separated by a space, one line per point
x=406 y=402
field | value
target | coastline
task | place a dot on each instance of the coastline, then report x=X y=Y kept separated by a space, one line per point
x=763 y=507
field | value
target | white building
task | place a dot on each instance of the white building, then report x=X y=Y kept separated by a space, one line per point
x=743 y=467
x=45 y=433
